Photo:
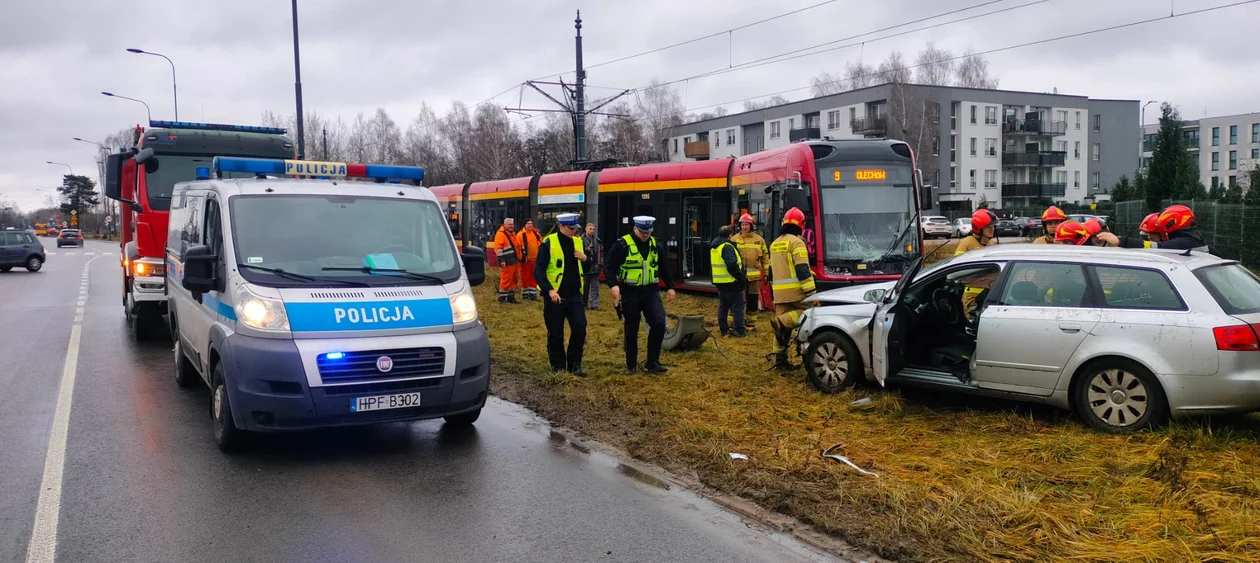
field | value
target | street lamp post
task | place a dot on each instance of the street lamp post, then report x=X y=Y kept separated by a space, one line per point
x=297 y=86
x=146 y=106
x=1142 y=132
x=174 y=86
x=103 y=147
x=61 y=164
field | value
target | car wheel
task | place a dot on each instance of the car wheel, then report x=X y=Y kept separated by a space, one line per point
x=226 y=435
x=1119 y=396
x=832 y=363
x=185 y=372
x=34 y=263
x=463 y=419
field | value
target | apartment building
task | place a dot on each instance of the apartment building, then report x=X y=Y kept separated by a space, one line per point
x=1008 y=148
x=1227 y=147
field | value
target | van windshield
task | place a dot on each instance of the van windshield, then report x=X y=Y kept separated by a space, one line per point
x=372 y=240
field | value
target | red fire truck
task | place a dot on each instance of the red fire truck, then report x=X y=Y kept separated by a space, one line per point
x=168 y=152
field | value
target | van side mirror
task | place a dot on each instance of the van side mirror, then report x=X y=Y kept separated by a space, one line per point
x=199 y=269
x=798 y=198
x=475 y=265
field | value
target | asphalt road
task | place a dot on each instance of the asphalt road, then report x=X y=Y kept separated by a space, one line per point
x=143 y=481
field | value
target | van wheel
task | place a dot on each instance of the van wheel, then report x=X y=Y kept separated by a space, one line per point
x=1119 y=396
x=34 y=263
x=832 y=363
x=463 y=419
x=185 y=374
x=226 y=435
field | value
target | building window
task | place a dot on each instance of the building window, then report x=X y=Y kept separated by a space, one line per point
x=1096 y=153
x=990 y=147
x=1216 y=161
x=1078 y=120
x=1216 y=136
x=972 y=177
x=973 y=146
x=1233 y=160
x=791 y=123
x=1076 y=150
x=761 y=144
x=990 y=178
x=833 y=119
x=953 y=116
x=1233 y=181
x=1255 y=154
x=1255 y=132
x=1076 y=179
x=973 y=114
x=1233 y=134
x=717 y=139
x=953 y=177
x=811 y=122
x=1060 y=177
x=936 y=146
x=1096 y=183
x=1061 y=116
x=1097 y=122
x=990 y=115
x=774 y=129
x=1216 y=182
x=852 y=115
x=953 y=148
x=730 y=136
x=675 y=146
x=687 y=140
x=1060 y=146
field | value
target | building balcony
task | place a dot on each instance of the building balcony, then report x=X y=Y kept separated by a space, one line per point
x=696 y=149
x=1043 y=158
x=870 y=125
x=805 y=134
x=1034 y=190
x=1034 y=127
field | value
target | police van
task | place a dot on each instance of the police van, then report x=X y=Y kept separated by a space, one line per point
x=329 y=301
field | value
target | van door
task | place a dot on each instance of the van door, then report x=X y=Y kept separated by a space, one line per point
x=888 y=336
x=195 y=327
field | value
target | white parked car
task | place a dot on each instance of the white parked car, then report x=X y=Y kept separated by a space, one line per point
x=961 y=227
x=934 y=226
x=1124 y=338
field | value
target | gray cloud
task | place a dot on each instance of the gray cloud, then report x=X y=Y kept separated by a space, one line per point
x=235 y=59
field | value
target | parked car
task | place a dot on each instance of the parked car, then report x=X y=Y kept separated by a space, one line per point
x=961 y=227
x=1082 y=217
x=69 y=237
x=1029 y=226
x=21 y=248
x=934 y=226
x=1007 y=228
x=1124 y=338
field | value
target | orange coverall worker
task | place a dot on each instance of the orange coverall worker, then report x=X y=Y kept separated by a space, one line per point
x=530 y=240
x=508 y=250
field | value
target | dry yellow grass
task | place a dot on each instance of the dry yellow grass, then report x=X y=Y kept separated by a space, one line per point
x=959 y=479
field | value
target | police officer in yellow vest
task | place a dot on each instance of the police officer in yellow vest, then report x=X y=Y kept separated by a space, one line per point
x=559 y=271
x=634 y=273
x=729 y=277
x=791 y=282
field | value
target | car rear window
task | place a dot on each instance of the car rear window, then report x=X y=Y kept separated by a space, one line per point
x=1234 y=287
x=1135 y=288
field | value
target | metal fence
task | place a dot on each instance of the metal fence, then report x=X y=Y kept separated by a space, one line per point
x=1226 y=227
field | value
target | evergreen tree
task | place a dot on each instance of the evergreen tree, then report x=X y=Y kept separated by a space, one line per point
x=1173 y=172
x=1123 y=190
x=78 y=193
x=1233 y=194
x=1253 y=187
x=1217 y=191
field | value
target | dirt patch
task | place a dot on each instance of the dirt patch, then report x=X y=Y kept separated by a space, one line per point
x=959 y=479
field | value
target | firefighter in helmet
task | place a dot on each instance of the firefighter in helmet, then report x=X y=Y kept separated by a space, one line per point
x=1050 y=221
x=983 y=229
x=1173 y=228
x=790 y=281
x=753 y=251
x=1072 y=232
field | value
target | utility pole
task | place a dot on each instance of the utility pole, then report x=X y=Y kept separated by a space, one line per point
x=574 y=102
x=325 y=143
x=297 y=86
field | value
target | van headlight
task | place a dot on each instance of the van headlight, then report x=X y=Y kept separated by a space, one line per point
x=262 y=313
x=463 y=307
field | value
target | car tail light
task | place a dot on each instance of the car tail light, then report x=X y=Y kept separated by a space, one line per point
x=1237 y=338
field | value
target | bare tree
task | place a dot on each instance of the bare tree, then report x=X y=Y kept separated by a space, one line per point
x=659 y=108
x=935 y=66
x=893 y=70
x=719 y=112
x=383 y=141
x=357 y=139
x=766 y=103
x=496 y=152
x=973 y=72
x=423 y=145
x=624 y=139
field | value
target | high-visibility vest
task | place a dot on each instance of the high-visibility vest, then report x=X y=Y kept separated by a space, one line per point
x=752 y=248
x=720 y=273
x=555 y=263
x=639 y=270
x=785 y=253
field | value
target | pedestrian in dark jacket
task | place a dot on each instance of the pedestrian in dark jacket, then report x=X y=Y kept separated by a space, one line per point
x=730 y=279
x=594 y=263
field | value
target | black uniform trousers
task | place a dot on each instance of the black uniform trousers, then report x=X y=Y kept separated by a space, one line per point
x=572 y=309
x=730 y=300
x=646 y=303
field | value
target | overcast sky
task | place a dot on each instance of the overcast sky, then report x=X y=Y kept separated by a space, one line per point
x=234 y=58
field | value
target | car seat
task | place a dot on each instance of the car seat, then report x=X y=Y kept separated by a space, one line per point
x=1068 y=294
x=1025 y=293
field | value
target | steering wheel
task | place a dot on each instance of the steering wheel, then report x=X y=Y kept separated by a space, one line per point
x=943 y=302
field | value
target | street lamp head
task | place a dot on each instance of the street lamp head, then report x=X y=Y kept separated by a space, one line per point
x=78 y=139
x=107 y=93
x=49 y=162
x=135 y=50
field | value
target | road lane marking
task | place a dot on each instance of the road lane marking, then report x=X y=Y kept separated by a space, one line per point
x=43 y=544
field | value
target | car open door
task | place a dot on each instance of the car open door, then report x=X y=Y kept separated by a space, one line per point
x=886 y=337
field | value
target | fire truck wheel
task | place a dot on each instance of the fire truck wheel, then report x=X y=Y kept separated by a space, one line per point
x=226 y=435
x=144 y=323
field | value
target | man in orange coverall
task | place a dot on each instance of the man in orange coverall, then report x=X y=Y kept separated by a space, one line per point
x=508 y=250
x=530 y=239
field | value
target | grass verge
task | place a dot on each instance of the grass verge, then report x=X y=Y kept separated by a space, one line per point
x=958 y=478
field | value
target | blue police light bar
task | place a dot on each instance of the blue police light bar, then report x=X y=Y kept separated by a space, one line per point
x=279 y=167
x=217 y=127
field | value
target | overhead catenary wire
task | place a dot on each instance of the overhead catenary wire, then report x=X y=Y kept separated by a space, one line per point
x=995 y=50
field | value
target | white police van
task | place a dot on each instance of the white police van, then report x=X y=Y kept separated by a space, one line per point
x=308 y=303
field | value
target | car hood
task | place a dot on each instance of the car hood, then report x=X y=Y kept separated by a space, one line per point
x=851 y=294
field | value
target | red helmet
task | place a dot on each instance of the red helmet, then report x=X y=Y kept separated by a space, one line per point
x=1072 y=232
x=746 y=218
x=1150 y=224
x=1175 y=218
x=1053 y=213
x=982 y=218
x=794 y=216
x=1093 y=226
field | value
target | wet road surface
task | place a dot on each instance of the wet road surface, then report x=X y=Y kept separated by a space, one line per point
x=143 y=481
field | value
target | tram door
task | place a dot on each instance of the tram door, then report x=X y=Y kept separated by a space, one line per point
x=698 y=230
